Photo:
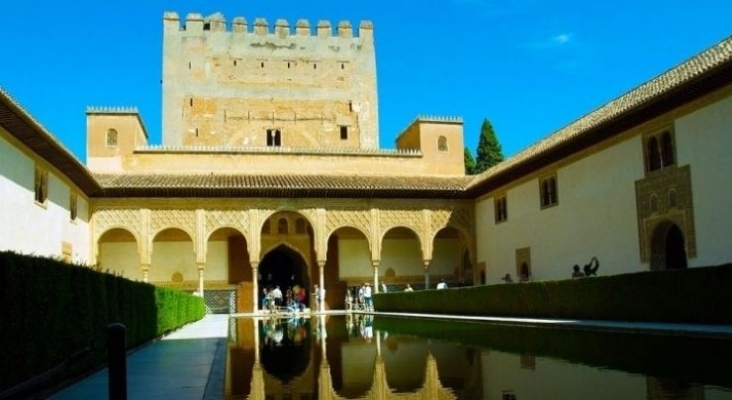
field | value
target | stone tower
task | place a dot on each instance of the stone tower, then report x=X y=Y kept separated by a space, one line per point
x=253 y=86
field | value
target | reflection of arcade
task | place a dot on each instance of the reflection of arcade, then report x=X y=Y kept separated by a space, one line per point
x=283 y=364
x=285 y=347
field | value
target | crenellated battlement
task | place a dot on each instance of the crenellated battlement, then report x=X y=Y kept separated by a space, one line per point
x=196 y=23
x=111 y=110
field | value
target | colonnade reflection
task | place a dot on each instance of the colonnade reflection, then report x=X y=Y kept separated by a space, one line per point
x=308 y=358
x=345 y=357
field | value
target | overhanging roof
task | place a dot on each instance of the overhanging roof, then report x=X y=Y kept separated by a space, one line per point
x=702 y=74
x=32 y=134
x=333 y=186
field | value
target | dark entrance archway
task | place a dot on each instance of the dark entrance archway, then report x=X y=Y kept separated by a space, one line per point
x=668 y=248
x=283 y=267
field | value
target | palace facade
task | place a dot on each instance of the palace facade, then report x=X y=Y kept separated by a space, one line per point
x=271 y=173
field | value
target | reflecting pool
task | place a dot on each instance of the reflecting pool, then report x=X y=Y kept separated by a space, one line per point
x=365 y=357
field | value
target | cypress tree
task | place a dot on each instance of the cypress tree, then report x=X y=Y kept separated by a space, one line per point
x=469 y=162
x=489 y=150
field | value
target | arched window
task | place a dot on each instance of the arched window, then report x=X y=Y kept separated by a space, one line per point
x=654 y=203
x=111 y=138
x=667 y=149
x=442 y=143
x=653 y=154
x=282 y=227
x=266 y=229
x=300 y=226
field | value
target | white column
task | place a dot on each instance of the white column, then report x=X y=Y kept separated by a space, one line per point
x=321 y=268
x=375 y=263
x=255 y=286
x=200 y=279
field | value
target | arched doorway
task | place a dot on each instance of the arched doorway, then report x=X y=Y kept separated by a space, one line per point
x=286 y=268
x=668 y=247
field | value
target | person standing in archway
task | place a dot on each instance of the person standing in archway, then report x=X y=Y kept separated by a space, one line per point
x=368 y=301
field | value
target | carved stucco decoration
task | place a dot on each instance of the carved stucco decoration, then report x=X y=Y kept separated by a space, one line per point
x=184 y=220
x=128 y=219
x=235 y=219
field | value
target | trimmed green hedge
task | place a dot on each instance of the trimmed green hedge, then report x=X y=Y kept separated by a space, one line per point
x=694 y=295
x=52 y=310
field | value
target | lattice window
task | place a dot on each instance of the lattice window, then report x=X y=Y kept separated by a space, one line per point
x=548 y=191
x=41 y=185
x=112 y=138
x=501 y=209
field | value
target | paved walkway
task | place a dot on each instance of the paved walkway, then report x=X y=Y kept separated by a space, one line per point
x=186 y=364
x=190 y=362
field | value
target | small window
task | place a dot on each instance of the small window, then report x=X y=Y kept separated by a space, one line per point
x=653 y=203
x=111 y=138
x=41 y=185
x=261 y=65
x=501 y=211
x=673 y=200
x=442 y=143
x=282 y=227
x=343 y=66
x=288 y=65
x=300 y=226
x=266 y=229
x=667 y=150
x=315 y=66
x=548 y=189
x=344 y=133
x=73 y=206
x=235 y=63
x=274 y=138
x=659 y=151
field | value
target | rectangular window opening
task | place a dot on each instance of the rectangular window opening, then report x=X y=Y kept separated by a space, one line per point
x=344 y=133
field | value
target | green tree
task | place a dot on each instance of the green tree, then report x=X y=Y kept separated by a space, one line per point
x=469 y=162
x=489 y=150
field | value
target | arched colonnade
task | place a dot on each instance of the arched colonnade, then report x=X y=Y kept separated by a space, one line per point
x=191 y=240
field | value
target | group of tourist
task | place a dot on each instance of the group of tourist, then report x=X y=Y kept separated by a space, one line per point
x=293 y=298
x=360 y=297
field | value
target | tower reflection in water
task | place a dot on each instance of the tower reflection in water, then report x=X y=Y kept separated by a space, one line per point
x=344 y=357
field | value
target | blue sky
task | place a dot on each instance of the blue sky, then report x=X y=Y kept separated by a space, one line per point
x=529 y=66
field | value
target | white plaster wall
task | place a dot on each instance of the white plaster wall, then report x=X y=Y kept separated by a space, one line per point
x=403 y=255
x=595 y=216
x=354 y=258
x=704 y=141
x=171 y=257
x=217 y=261
x=27 y=227
x=120 y=258
x=446 y=256
x=555 y=379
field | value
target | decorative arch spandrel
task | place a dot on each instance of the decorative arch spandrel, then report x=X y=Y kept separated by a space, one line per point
x=184 y=220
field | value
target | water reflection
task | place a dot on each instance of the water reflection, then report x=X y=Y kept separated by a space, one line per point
x=356 y=357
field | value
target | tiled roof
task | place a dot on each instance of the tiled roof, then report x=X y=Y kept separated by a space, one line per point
x=700 y=75
x=223 y=185
x=31 y=133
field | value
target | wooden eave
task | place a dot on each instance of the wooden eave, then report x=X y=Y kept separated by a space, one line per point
x=28 y=131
